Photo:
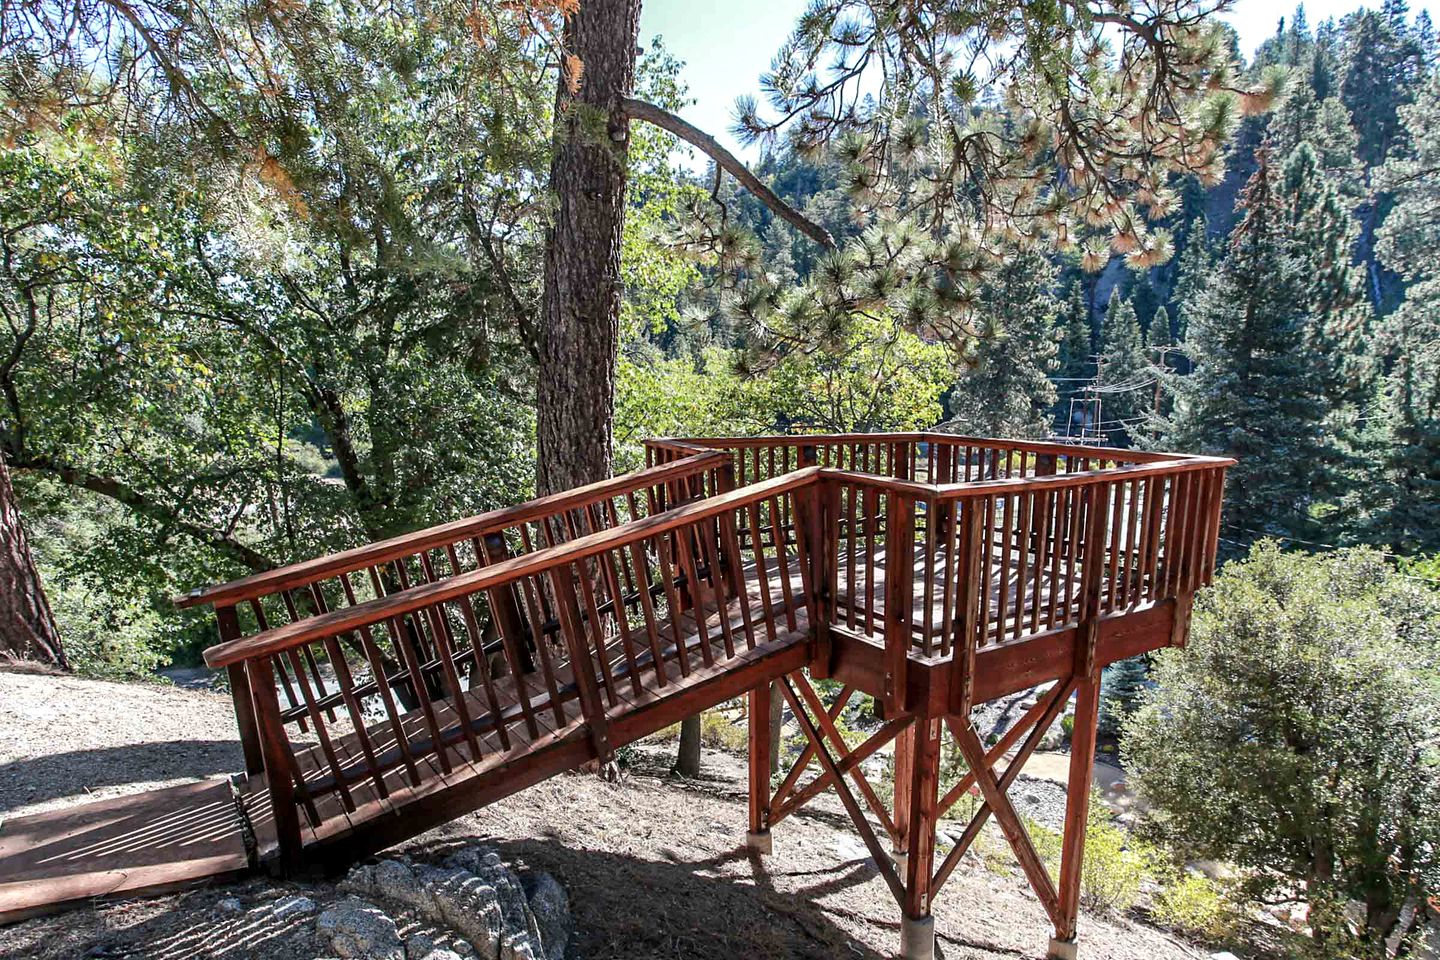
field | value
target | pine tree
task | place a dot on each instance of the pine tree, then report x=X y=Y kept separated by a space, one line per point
x=1404 y=499
x=1121 y=686
x=1324 y=237
x=1008 y=392
x=1196 y=265
x=1125 y=379
x=1256 y=393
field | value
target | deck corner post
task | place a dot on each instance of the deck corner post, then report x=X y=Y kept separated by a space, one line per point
x=1077 y=806
x=899 y=599
x=904 y=773
x=917 y=926
x=1184 y=609
x=758 y=837
x=813 y=525
x=278 y=772
x=229 y=623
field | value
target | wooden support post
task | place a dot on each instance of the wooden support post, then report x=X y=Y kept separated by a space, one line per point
x=1180 y=630
x=1087 y=718
x=904 y=772
x=240 y=693
x=917 y=927
x=1077 y=813
x=276 y=746
x=968 y=625
x=812 y=524
x=758 y=839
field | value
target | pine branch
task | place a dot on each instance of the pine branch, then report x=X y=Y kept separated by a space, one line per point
x=665 y=120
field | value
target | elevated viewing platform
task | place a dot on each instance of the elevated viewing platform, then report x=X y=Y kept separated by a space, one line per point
x=387 y=689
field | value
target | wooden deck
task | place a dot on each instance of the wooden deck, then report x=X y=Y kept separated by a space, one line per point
x=387 y=689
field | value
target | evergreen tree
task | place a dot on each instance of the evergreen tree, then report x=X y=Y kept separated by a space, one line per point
x=1121 y=687
x=1196 y=265
x=1007 y=392
x=1256 y=394
x=1324 y=237
x=1125 y=378
x=1405 y=444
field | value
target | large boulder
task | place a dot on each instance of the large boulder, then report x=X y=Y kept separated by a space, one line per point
x=359 y=929
x=478 y=896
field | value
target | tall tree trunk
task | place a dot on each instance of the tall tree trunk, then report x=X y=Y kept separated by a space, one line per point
x=581 y=330
x=27 y=627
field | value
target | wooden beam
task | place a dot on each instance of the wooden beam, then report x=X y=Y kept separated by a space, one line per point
x=1077 y=805
x=972 y=830
x=924 y=788
x=760 y=759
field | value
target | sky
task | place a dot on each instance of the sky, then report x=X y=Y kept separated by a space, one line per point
x=727 y=44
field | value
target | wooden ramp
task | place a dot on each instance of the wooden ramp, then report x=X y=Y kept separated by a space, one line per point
x=159 y=840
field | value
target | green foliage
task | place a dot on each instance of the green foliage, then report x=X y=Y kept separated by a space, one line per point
x=1125 y=380
x=1192 y=902
x=1115 y=867
x=1255 y=393
x=1121 y=687
x=1006 y=389
x=1293 y=737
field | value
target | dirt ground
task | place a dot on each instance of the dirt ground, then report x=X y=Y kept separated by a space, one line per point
x=653 y=865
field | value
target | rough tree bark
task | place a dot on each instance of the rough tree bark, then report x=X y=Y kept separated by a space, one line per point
x=580 y=336
x=27 y=626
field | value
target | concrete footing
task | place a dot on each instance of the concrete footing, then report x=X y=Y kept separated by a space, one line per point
x=917 y=938
x=758 y=841
x=1062 y=950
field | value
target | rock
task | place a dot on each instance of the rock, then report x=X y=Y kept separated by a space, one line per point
x=294 y=907
x=439 y=953
x=478 y=896
x=419 y=945
x=229 y=905
x=520 y=938
x=550 y=905
x=357 y=929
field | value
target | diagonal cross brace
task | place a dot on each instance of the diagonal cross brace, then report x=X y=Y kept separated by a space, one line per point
x=1037 y=732
x=852 y=806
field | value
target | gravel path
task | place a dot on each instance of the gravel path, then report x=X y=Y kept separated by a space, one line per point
x=64 y=740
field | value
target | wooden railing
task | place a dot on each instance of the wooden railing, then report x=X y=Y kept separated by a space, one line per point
x=313 y=682
x=954 y=544
x=408 y=677
x=373 y=669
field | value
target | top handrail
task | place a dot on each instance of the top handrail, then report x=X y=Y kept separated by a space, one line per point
x=383 y=551
x=924 y=436
x=345 y=619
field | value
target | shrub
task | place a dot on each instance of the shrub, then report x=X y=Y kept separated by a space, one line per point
x=1194 y=903
x=717 y=731
x=1115 y=863
x=107 y=636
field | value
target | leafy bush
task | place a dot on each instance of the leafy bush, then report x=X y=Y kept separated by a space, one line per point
x=1115 y=863
x=107 y=635
x=718 y=731
x=1194 y=903
x=1294 y=737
